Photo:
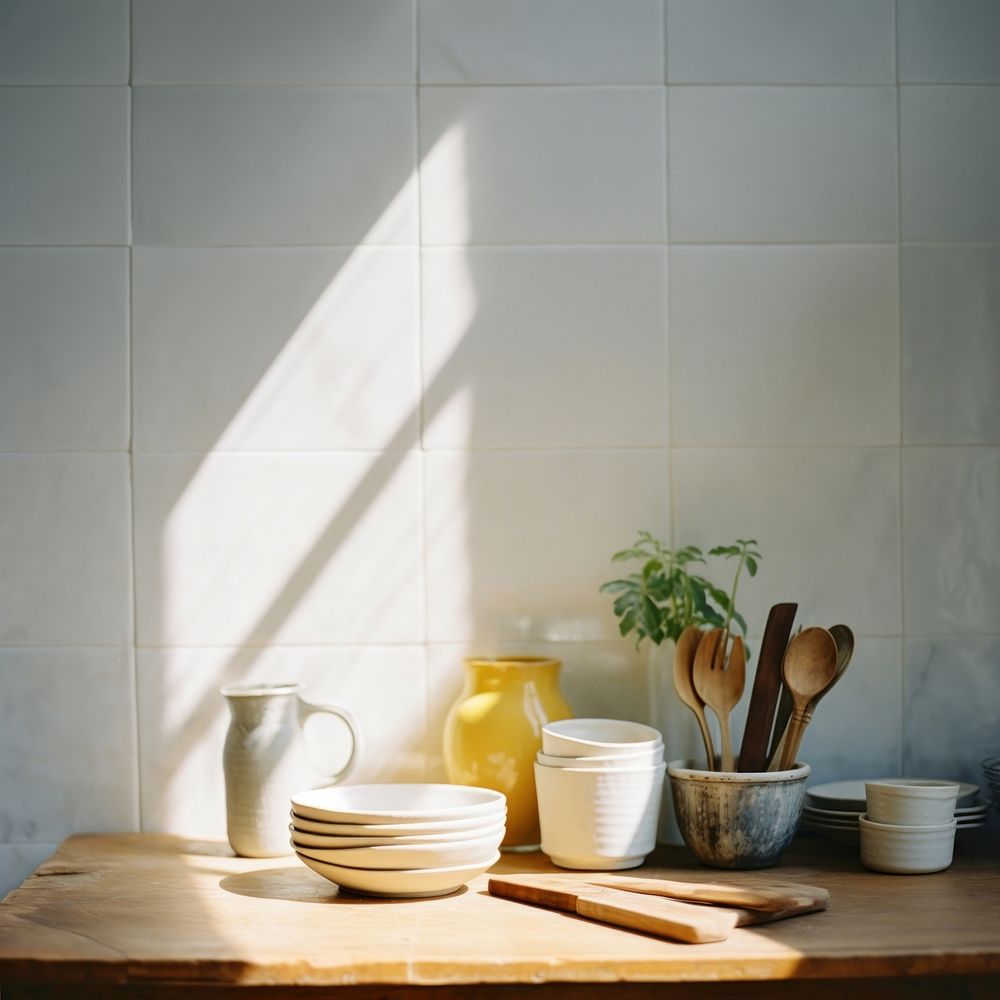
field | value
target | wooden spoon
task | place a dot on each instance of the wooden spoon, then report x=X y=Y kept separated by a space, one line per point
x=719 y=682
x=684 y=654
x=809 y=670
x=843 y=637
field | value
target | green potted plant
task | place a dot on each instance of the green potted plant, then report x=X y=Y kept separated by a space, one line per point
x=666 y=595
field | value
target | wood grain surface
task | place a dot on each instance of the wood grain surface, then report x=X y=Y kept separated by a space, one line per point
x=150 y=912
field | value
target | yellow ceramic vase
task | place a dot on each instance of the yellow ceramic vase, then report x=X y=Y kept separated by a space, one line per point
x=494 y=730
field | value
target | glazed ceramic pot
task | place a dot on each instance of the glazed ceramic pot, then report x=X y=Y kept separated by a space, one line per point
x=494 y=731
x=733 y=819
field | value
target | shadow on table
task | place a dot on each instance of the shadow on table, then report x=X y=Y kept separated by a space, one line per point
x=303 y=887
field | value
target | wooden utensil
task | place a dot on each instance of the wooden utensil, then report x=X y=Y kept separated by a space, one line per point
x=719 y=680
x=810 y=667
x=684 y=654
x=843 y=638
x=692 y=923
x=780 y=899
x=766 y=688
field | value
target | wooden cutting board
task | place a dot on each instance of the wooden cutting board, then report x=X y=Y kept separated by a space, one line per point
x=649 y=910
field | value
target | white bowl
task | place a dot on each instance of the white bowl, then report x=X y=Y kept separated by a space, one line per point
x=642 y=758
x=598 y=818
x=402 y=856
x=403 y=803
x=597 y=737
x=410 y=883
x=851 y=794
x=305 y=838
x=906 y=850
x=911 y=801
x=397 y=829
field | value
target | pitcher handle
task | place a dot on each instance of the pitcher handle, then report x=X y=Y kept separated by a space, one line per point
x=308 y=708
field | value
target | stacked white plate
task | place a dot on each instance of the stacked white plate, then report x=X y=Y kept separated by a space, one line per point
x=833 y=809
x=403 y=840
x=991 y=772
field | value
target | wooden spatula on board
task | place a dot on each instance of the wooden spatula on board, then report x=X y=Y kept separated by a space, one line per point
x=689 y=922
x=778 y=899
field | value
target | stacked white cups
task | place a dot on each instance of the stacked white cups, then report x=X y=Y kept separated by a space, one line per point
x=599 y=785
x=910 y=825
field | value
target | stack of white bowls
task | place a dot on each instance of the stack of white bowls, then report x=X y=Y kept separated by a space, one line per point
x=599 y=785
x=402 y=840
x=910 y=825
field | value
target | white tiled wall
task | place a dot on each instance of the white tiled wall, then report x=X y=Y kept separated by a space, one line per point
x=343 y=339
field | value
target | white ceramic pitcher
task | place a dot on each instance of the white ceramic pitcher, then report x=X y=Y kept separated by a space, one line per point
x=265 y=763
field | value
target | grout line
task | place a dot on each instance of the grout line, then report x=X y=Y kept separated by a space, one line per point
x=902 y=389
x=654 y=710
x=146 y=647
x=577 y=85
x=511 y=449
x=582 y=246
x=422 y=424
x=137 y=758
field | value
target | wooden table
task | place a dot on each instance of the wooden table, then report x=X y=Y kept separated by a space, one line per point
x=150 y=916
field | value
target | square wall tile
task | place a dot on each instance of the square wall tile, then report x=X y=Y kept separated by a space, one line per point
x=949 y=163
x=64 y=174
x=183 y=721
x=533 y=165
x=265 y=549
x=780 y=41
x=519 y=542
x=64 y=42
x=827 y=524
x=275 y=349
x=950 y=710
x=807 y=333
x=541 y=41
x=782 y=164
x=280 y=165
x=598 y=680
x=951 y=344
x=65 y=547
x=18 y=861
x=67 y=743
x=953 y=42
x=951 y=540
x=518 y=349
x=296 y=41
x=64 y=347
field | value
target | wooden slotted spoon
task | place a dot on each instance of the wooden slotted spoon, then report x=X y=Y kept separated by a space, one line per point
x=684 y=655
x=719 y=681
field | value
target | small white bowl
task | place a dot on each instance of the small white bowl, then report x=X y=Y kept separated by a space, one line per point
x=597 y=737
x=305 y=838
x=598 y=818
x=911 y=801
x=906 y=850
x=411 y=883
x=397 y=803
x=643 y=758
x=399 y=856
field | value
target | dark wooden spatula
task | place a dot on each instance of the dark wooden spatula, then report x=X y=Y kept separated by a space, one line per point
x=766 y=688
